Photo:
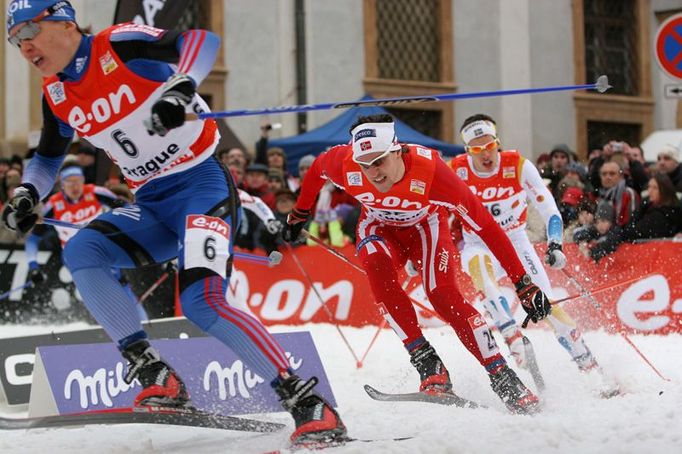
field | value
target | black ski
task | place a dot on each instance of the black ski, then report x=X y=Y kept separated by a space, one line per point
x=320 y=445
x=443 y=399
x=143 y=415
x=533 y=365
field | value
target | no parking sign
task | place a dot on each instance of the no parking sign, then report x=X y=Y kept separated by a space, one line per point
x=669 y=46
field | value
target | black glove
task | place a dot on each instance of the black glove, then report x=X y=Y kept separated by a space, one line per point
x=168 y=111
x=18 y=214
x=295 y=222
x=554 y=256
x=35 y=274
x=533 y=300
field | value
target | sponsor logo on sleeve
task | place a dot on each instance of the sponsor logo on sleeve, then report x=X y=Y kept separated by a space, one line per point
x=56 y=92
x=424 y=152
x=354 y=178
x=417 y=186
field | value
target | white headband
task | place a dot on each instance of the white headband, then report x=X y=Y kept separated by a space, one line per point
x=477 y=129
x=369 y=138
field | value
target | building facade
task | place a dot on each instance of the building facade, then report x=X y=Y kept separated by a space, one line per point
x=284 y=52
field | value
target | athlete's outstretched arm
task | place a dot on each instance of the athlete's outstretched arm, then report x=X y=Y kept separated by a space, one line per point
x=328 y=165
x=449 y=190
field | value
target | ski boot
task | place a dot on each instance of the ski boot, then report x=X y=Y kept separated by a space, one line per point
x=516 y=397
x=435 y=378
x=317 y=423
x=602 y=385
x=161 y=384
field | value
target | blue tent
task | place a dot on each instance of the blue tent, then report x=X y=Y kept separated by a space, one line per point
x=336 y=132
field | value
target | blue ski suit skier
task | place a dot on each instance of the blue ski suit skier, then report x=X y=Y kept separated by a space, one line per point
x=127 y=90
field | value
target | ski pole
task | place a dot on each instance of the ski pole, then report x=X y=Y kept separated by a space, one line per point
x=322 y=302
x=596 y=305
x=599 y=289
x=339 y=255
x=153 y=287
x=15 y=289
x=601 y=85
x=381 y=326
x=275 y=257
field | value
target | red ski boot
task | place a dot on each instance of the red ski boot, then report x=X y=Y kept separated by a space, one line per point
x=161 y=385
x=517 y=398
x=435 y=378
x=317 y=423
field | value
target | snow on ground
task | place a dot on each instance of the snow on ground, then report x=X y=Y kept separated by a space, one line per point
x=646 y=418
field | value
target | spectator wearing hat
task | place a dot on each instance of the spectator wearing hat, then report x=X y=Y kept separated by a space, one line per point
x=303 y=165
x=668 y=161
x=624 y=199
x=602 y=238
x=585 y=219
x=660 y=215
x=256 y=183
x=276 y=180
x=559 y=158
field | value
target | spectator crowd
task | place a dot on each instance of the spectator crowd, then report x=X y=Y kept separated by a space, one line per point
x=614 y=198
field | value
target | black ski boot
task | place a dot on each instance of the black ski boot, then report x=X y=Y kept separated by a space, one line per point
x=435 y=378
x=517 y=398
x=161 y=386
x=317 y=423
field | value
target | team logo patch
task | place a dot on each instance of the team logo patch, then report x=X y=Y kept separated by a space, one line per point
x=417 y=186
x=59 y=206
x=364 y=133
x=354 y=178
x=107 y=63
x=56 y=92
x=424 y=152
x=366 y=145
x=508 y=172
x=462 y=173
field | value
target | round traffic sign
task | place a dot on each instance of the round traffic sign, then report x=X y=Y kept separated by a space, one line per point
x=669 y=46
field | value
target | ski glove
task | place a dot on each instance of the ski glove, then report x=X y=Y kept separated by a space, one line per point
x=274 y=226
x=168 y=112
x=18 y=214
x=35 y=274
x=554 y=256
x=295 y=222
x=533 y=300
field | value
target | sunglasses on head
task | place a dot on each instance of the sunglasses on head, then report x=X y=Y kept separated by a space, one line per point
x=32 y=28
x=490 y=146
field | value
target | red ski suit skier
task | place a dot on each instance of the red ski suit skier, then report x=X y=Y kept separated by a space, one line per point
x=410 y=221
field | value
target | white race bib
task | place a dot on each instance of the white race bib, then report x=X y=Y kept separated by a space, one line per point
x=207 y=243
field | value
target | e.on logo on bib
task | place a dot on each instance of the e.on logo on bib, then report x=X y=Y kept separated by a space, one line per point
x=210 y=223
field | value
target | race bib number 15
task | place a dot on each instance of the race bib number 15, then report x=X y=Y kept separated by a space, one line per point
x=207 y=243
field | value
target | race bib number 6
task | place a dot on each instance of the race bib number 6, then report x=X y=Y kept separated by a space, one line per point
x=207 y=243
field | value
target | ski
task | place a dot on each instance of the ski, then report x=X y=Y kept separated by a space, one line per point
x=533 y=365
x=442 y=399
x=319 y=445
x=143 y=415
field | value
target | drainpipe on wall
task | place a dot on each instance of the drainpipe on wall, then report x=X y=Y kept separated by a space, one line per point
x=301 y=80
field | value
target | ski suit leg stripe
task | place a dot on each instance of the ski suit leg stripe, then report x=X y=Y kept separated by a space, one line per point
x=430 y=238
x=228 y=314
x=257 y=328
